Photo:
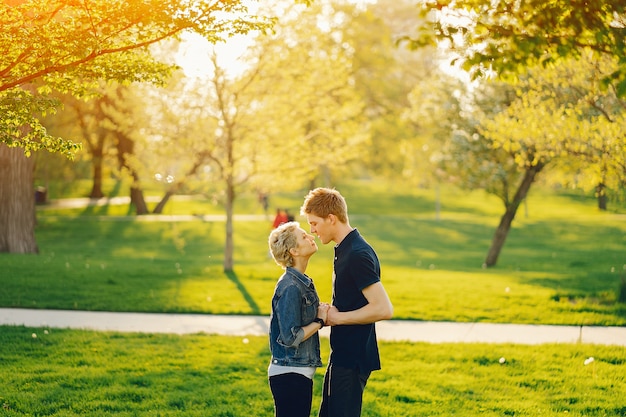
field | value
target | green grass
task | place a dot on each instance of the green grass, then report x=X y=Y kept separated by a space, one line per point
x=82 y=373
x=562 y=262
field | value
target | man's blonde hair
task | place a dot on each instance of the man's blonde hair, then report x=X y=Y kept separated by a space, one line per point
x=324 y=201
x=281 y=240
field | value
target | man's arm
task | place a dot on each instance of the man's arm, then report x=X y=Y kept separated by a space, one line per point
x=378 y=308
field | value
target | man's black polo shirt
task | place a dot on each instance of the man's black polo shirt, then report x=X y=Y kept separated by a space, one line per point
x=356 y=267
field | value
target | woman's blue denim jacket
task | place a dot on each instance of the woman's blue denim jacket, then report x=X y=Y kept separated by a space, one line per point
x=294 y=305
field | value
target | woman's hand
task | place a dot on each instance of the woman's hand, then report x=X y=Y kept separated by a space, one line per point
x=322 y=311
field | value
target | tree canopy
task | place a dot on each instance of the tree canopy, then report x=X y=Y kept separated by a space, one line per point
x=506 y=37
x=67 y=46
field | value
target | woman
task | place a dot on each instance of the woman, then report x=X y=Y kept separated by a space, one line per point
x=297 y=316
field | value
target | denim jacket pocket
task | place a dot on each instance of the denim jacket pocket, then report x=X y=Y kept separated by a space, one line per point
x=310 y=303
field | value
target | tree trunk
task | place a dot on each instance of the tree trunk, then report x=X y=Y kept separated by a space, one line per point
x=137 y=199
x=177 y=186
x=229 y=264
x=502 y=231
x=601 y=194
x=125 y=149
x=161 y=205
x=96 y=189
x=17 y=202
x=96 y=138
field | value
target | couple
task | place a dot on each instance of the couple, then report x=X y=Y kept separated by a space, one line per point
x=359 y=300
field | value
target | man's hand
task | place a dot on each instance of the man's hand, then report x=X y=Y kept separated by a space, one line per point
x=378 y=308
x=332 y=316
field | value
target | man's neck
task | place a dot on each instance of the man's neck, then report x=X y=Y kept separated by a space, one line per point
x=343 y=230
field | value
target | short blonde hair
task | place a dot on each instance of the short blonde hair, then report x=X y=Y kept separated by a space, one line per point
x=324 y=201
x=281 y=240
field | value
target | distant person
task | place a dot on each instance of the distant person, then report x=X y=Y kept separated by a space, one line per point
x=281 y=217
x=265 y=201
x=290 y=217
x=359 y=300
x=297 y=316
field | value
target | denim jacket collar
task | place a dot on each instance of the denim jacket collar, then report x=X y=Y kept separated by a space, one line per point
x=300 y=276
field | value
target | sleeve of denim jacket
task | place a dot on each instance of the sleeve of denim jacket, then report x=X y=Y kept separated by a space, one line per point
x=289 y=312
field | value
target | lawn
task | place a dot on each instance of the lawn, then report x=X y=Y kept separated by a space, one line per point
x=66 y=373
x=562 y=263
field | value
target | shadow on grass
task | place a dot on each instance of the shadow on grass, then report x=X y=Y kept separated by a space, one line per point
x=575 y=257
x=254 y=308
x=89 y=263
x=615 y=203
x=449 y=244
x=101 y=207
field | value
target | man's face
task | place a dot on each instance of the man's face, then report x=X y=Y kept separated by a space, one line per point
x=321 y=227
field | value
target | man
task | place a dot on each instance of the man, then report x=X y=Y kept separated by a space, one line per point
x=359 y=300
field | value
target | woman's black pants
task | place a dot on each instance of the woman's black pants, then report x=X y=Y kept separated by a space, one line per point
x=292 y=394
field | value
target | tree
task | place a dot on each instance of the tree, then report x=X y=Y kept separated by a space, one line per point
x=384 y=76
x=238 y=132
x=522 y=133
x=596 y=157
x=507 y=37
x=90 y=117
x=557 y=115
x=308 y=98
x=125 y=114
x=500 y=137
x=105 y=126
x=68 y=46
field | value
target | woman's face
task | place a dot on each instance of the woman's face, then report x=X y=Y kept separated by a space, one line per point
x=306 y=243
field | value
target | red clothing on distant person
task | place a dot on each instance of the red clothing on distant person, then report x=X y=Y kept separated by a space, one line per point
x=281 y=217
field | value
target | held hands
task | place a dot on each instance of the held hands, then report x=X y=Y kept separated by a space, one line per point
x=332 y=316
x=322 y=311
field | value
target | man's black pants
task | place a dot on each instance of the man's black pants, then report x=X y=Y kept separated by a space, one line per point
x=343 y=392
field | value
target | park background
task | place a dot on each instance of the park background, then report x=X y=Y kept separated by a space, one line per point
x=495 y=199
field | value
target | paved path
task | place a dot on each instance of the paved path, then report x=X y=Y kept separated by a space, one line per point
x=68 y=203
x=392 y=330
